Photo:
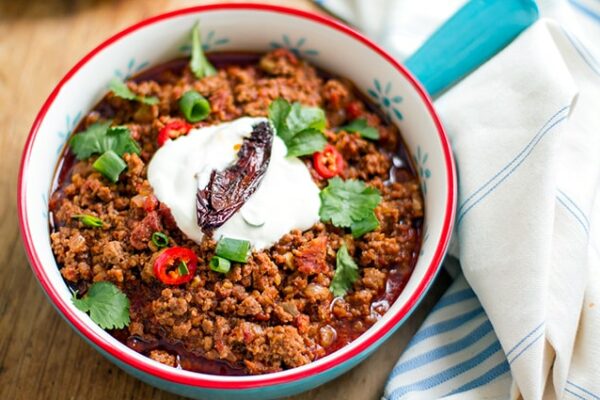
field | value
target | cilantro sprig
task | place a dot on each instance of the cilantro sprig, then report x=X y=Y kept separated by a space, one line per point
x=101 y=137
x=199 y=64
x=346 y=273
x=360 y=126
x=350 y=204
x=109 y=141
x=120 y=89
x=365 y=225
x=300 y=128
x=106 y=304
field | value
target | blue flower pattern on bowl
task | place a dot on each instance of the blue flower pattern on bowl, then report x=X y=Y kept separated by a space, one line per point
x=70 y=124
x=45 y=206
x=63 y=135
x=131 y=68
x=386 y=101
x=209 y=43
x=296 y=48
x=424 y=172
x=425 y=237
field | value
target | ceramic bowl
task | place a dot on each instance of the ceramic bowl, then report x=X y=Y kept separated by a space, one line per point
x=325 y=43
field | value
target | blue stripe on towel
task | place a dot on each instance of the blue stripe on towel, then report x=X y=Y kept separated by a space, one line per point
x=585 y=10
x=445 y=326
x=483 y=379
x=525 y=338
x=583 y=390
x=574 y=214
x=473 y=337
x=526 y=347
x=583 y=52
x=448 y=374
x=513 y=164
x=453 y=298
x=574 y=209
x=570 y=200
x=575 y=394
x=507 y=165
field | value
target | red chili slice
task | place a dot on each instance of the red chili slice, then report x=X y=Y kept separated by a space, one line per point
x=173 y=130
x=168 y=265
x=328 y=162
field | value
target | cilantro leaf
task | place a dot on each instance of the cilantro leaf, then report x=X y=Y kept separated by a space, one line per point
x=346 y=273
x=199 y=64
x=305 y=143
x=106 y=304
x=101 y=137
x=347 y=202
x=278 y=112
x=120 y=89
x=119 y=140
x=360 y=126
x=301 y=118
x=88 y=142
x=300 y=128
x=365 y=225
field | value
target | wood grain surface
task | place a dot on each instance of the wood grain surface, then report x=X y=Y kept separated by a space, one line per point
x=40 y=356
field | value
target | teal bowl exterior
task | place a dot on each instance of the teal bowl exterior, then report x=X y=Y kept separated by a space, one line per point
x=430 y=149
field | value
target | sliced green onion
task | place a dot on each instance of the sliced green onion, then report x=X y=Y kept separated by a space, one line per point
x=110 y=165
x=160 y=240
x=219 y=264
x=183 y=269
x=89 y=220
x=233 y=249
x=364 y=226
x=194 y=106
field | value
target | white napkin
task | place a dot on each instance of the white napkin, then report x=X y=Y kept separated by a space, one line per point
x=525 y=130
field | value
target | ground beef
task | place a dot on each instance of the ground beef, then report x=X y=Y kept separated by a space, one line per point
x=276 y=311
x=164 y=357
x=310 y=258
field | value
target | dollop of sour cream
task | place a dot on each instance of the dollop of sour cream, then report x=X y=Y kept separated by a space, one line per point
x=286 y=199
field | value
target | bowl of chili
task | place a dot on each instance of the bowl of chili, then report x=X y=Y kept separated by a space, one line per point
x=396 y=94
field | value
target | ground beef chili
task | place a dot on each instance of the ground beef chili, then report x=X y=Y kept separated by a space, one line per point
x=276 y=311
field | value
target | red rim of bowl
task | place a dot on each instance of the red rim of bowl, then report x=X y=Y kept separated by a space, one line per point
x=258 y=381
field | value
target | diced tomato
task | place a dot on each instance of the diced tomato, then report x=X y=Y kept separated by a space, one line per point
x=353 y=110
x=173 y=130
x=150 y=203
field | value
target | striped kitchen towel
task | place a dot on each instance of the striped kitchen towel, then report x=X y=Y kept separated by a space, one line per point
x=450 y=351
x=524 y=321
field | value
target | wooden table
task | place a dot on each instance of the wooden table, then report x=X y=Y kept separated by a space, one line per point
x=40 y=356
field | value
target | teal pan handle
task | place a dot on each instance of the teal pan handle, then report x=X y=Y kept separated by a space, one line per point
x=479 y=30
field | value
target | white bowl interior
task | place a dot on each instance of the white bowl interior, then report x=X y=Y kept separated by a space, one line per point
x=255 y=30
